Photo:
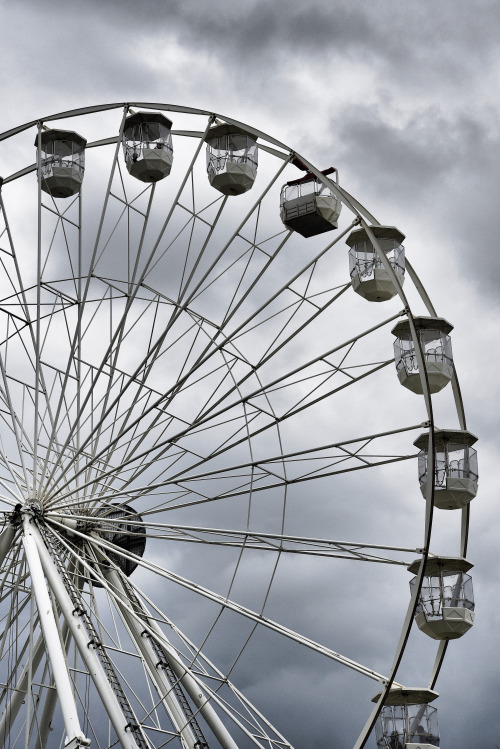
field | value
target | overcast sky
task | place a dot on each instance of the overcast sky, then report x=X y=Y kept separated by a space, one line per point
x=402 y=97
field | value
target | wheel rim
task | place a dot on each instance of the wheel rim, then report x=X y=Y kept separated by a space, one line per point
x=147 y=378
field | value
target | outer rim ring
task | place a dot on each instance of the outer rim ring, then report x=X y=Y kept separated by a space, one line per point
x=363 y=216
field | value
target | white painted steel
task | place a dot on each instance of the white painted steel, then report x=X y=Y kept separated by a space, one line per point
x=67 y=458
x=51 y=635
x=196 y=693
x=47 y=717
x=19 y=693
x=251 y=615
x=163 y=685
x=81 y=639
x=192 y=687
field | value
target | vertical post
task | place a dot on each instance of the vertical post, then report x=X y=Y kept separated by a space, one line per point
x=51 y=637
x=45 y=725
x=111 y=706
x=18 y=693
x=160 y=679
x=38 y=302
x=187 y=680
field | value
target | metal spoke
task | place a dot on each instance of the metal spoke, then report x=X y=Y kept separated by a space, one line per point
x=192 y=397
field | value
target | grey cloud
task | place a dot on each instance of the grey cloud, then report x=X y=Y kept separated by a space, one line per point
x=435 y=163
x=414 y=35
x=442 y=165
x=396 y=156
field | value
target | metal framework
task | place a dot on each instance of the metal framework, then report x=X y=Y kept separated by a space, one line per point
x=172 y=350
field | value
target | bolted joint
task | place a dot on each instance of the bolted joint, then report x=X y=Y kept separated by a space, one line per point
x=132 y=727
x=77 y=741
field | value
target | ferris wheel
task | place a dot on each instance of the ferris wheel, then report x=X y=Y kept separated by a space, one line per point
x=214 y=364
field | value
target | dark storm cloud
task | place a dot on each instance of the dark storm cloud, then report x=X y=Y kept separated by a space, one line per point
x=417 y=157
x=398 y=94
x=412 y=156
x=404 y=34
x=446 y=166
x=407 y=35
